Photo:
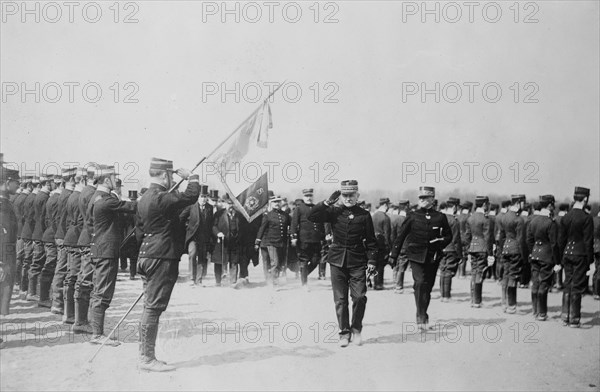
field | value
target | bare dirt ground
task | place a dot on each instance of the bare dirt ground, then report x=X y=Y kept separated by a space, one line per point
x=257 y=338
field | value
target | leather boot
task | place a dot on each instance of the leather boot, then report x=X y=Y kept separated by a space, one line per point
x=44 y=293
x=303 y=275
x=566 y=307
x=401 y=280
x=32 y=289
x=448 y=287
x=511 y=293
x=148 y=361
x=575 y=310
x=69 y=310
x=542 y=299
x=504 y=297
x=478 y=293
x=534 y=304
x=81 y=316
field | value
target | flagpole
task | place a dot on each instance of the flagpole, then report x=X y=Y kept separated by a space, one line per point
x=132 y=232
x=228 y=137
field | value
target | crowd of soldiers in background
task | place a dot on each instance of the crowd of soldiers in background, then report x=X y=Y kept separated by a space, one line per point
x=53 y=265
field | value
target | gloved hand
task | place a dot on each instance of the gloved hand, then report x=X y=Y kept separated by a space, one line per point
x=490 y=260
x=257 y=244
x=333 y=198
x=183 y=173
x=557 y=267
x=294 y=242
x=370 y=269
x=220 y=235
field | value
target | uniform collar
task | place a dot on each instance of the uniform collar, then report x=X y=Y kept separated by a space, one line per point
x=102 y=188
x=154 y=185
x=544 y=212
x=480 y=209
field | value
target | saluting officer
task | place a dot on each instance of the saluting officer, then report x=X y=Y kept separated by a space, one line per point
x=427 y=232
x=383 y=231
x=542 y=240
x=107 y=235
x=306 y=236
x=352 y=254
x=576 y=238
x=481 y=232
x=452 y=254
x=161 y=249
x=513 y=234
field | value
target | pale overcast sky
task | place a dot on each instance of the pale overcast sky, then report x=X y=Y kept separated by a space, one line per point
x=367 y=64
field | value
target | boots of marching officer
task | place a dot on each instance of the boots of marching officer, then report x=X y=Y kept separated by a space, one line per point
x=574 y=319
x=148 y=334
x=511 y=294
x=542 y=307
x=32 y=292
x=400 y=283
x=566 y=304
x=82 y=324
x=535 y=304
x=98 y=314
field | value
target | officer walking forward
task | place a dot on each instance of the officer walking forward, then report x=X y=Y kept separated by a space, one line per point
x=353 y=246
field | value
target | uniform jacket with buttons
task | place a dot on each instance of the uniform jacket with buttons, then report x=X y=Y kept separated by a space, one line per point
x=60 y=217
x=103 y=218
x=28 y=210
x=51 y=207
x=354 y=241
x=576 y=234
x=273 y=230
x=74 y=220
x=456 y=244
x=158 y=212
x=542 y=239
x=396 y=224
x=305 y=231
x=85 y=198
x=418 y=230
x=40 y=214
x=513 y=234
x=481 y=232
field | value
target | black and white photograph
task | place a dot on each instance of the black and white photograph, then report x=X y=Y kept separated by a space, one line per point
x=309 y=195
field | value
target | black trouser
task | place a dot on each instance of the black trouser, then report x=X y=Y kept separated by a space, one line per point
x=197 y=255
x=525 y=272
x=382 y=254
x=309 y=256
x=105 y=279
x=576 y=283
x=26 y=265
x=448 y=268
x=424 y=277
x=542 y=273
x=355 y=279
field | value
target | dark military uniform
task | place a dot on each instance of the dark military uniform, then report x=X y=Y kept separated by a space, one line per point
x=542 y=240
x=498 y=225
x=513 y=234
x=480 y=230
x=199 y=221
x=161 y=248
x=84 y=283
x=273 y=236
x=383 y=232
x=39 y=252
x=353 y=245
x=419 y=230
x=576 y=239
x=18 y=208
x=74 y=224
x=107 y=235
x=8 y=250
x=452 y=254
x=309 y=236
x=249 y=230
x=62 y=265
x=462 y=220
x=28 y=212
x=50 y=250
